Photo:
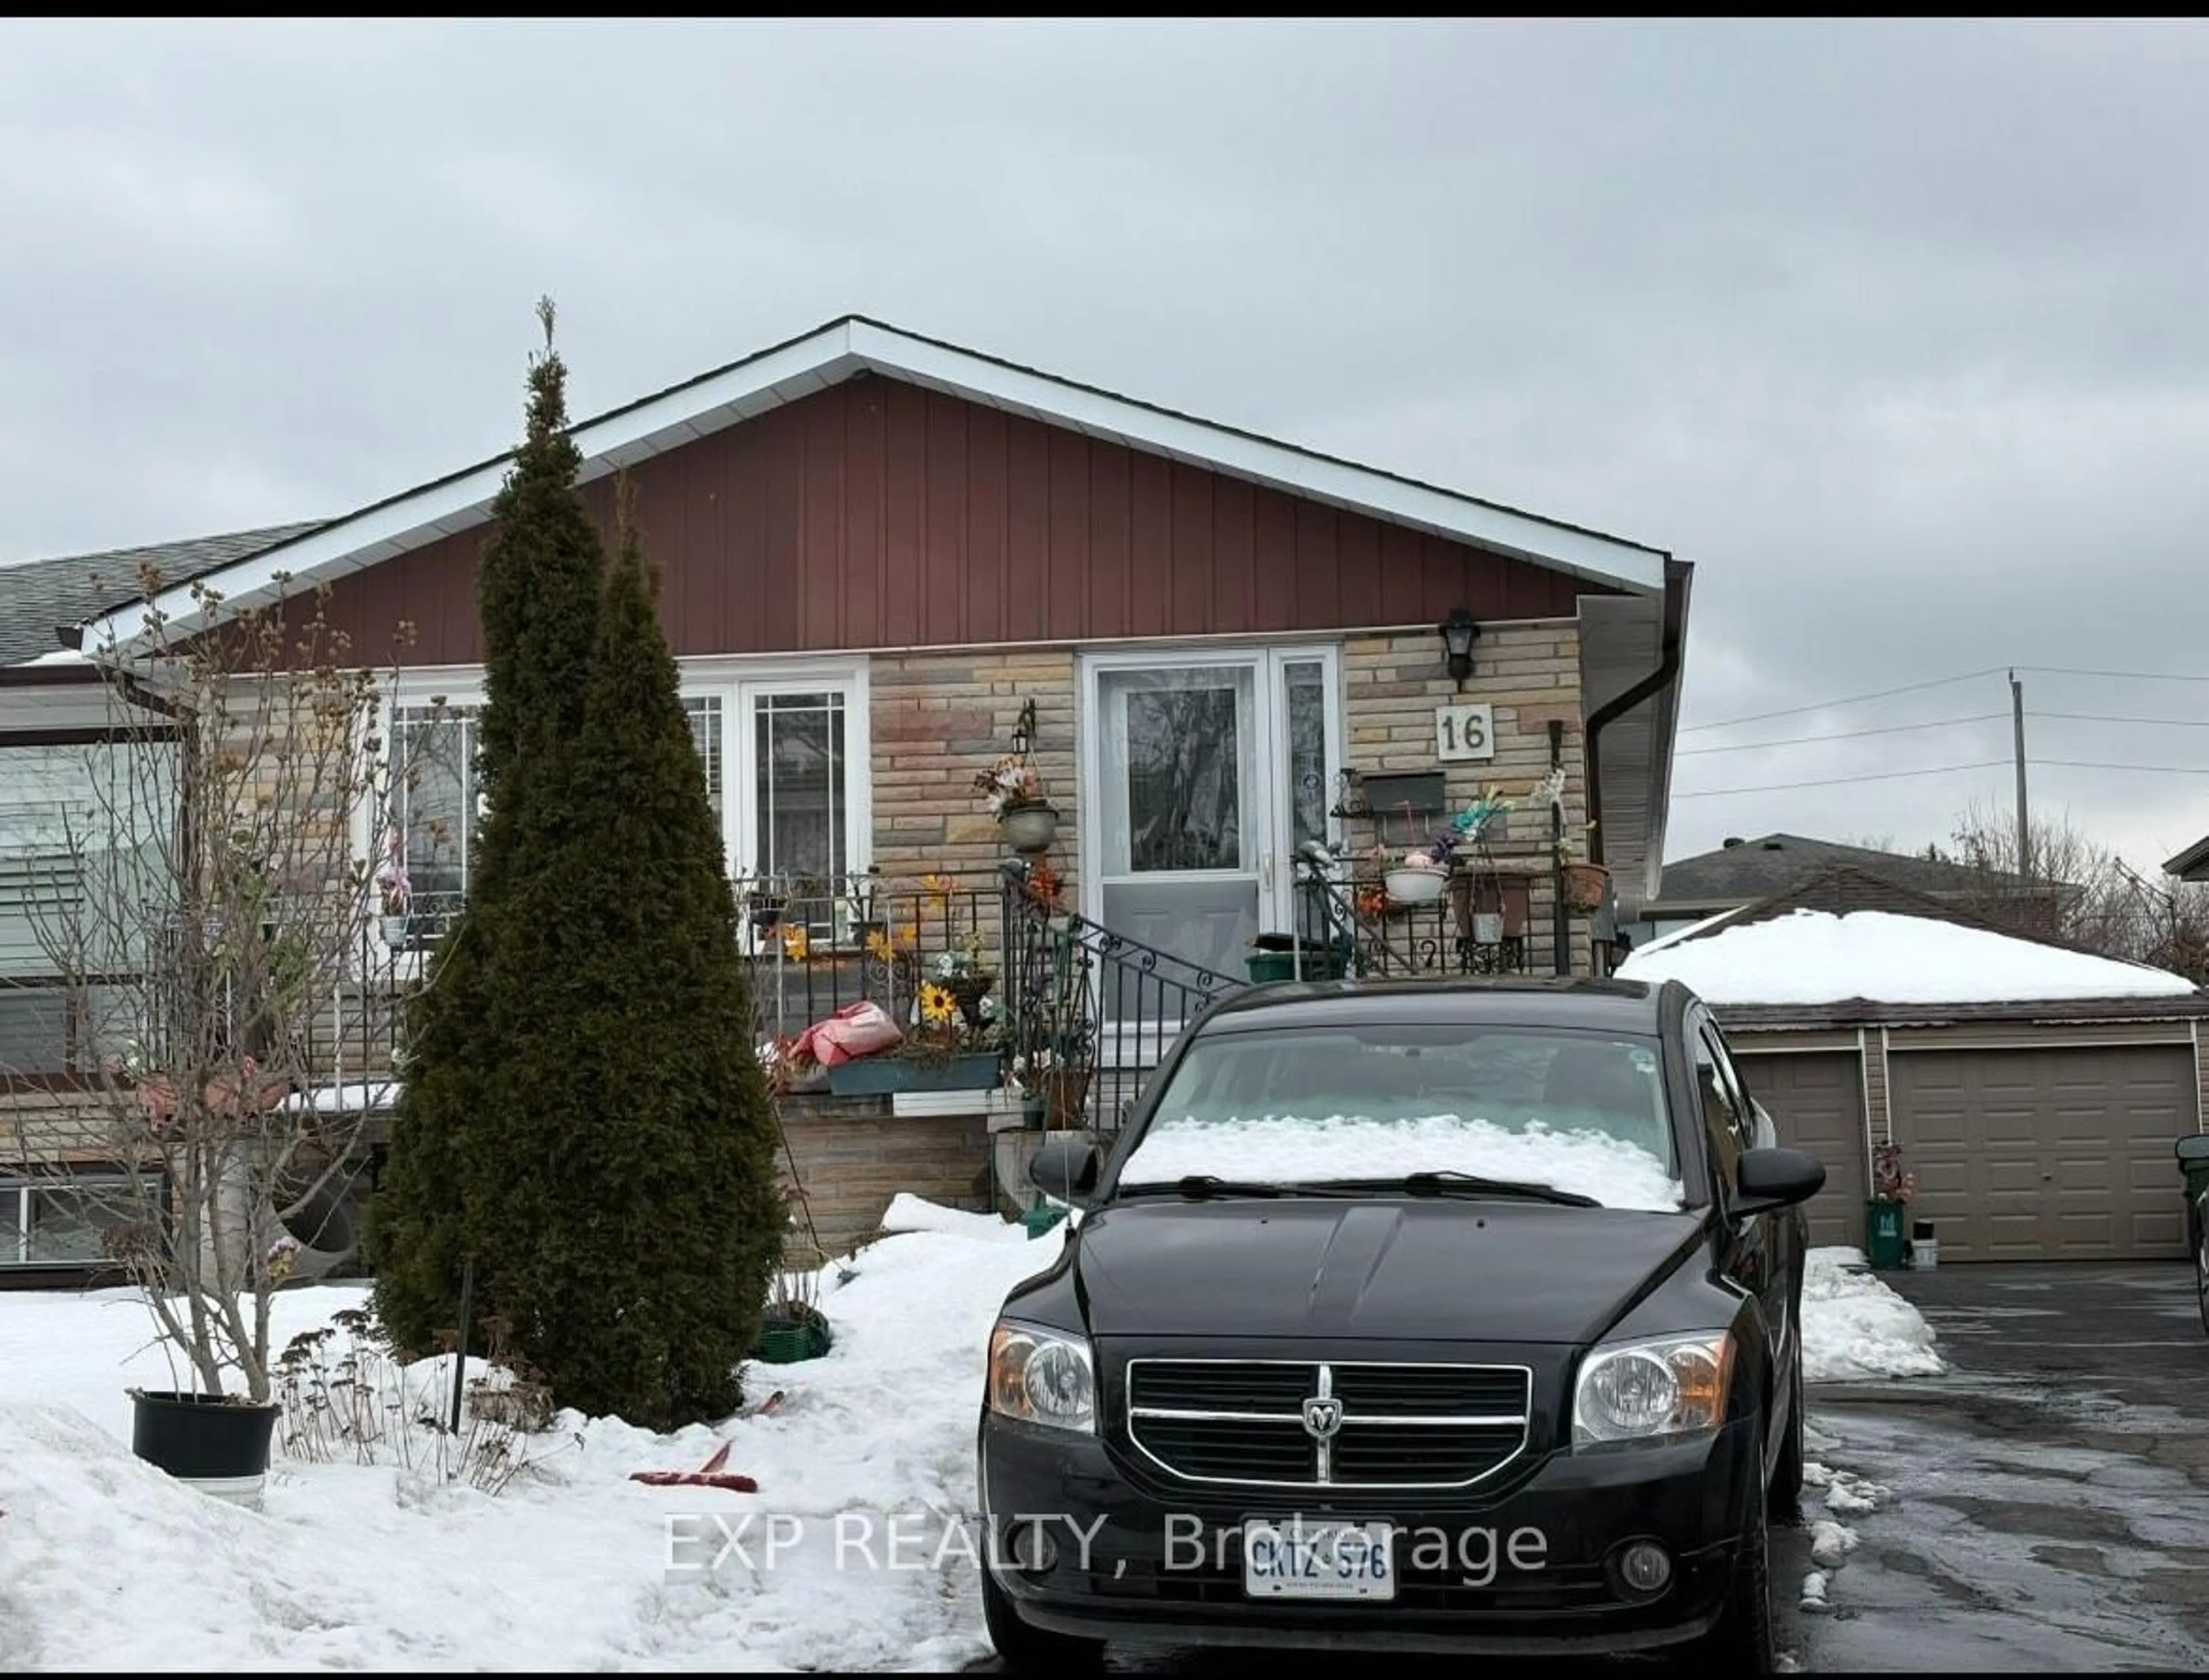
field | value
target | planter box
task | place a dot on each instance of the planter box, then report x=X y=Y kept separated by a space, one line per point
x=219 y=1446
x=876 y=1076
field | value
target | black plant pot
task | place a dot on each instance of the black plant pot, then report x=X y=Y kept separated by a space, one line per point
x=220 y=1443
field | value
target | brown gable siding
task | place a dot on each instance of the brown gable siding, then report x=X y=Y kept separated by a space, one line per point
x=880 y=514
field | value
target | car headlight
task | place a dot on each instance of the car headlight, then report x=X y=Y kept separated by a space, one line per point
x=1654 y=1388
x=1040 y=1377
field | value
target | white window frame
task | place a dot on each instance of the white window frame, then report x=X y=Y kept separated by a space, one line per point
x=736 y=682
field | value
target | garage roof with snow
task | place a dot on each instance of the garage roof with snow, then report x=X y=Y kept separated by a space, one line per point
x=1819 y=957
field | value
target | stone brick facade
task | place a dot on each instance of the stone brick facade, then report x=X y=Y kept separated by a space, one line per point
x=1530 y=674
x=942 y=719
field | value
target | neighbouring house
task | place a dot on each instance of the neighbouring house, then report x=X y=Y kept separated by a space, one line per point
x=1742 y=872
x=2035 y=1090
x=2193 y=863
x=890 y=566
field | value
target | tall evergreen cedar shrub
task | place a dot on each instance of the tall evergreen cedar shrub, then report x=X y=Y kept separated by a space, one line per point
x=582 y=1113
x=666 y=1229
x=537 y=589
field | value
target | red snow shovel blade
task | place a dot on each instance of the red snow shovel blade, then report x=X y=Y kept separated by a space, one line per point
x=708 y=1474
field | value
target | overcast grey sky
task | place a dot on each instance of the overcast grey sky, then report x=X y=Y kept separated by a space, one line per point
x=1899 y=331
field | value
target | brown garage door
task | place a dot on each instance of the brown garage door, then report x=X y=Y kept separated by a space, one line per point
x=2046 y=1155
x=1815 y=1100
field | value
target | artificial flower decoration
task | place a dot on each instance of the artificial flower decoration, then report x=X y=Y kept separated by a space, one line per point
x=938 y=1008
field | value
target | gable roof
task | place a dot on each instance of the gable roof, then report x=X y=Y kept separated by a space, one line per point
x=1739 y=872
x=797 y=367
x=40 y=598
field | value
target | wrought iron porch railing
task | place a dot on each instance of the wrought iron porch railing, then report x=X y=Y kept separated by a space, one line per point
x=1477 y=924
x=1094 y=1011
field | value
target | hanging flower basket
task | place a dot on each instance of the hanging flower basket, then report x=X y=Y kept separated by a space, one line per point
x=1028 y=828
x=1585 y=887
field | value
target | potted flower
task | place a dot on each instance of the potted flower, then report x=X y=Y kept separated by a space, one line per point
x=1586 y=886
x=966 y=974
x=1016 y=798
x=1420 y=874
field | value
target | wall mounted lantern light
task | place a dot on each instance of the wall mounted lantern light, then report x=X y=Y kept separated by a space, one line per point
x=1457 y=632
x=1024 y=728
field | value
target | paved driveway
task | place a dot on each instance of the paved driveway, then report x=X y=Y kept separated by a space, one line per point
x=2044 y=1507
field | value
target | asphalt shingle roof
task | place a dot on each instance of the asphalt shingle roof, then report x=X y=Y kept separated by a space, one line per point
x=1773 y=862
x=40 y=596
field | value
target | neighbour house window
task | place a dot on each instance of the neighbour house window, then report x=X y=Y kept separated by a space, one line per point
x=67 y=1219
x=83 y=843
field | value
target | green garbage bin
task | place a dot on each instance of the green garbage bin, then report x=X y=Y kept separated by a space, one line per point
x=1883 y=1240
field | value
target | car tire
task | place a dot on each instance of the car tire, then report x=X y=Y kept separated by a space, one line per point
x=1784 y=1499
x=1744 y=1640
x=1026 y=1649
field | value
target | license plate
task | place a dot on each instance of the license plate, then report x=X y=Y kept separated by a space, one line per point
x=1318 y=1560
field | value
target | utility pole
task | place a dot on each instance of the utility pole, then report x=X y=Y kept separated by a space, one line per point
x=2024 y=823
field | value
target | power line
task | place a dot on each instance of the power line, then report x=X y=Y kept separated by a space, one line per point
x=2097 y=718
x=1851 y=699
x=2121 y=677
x=1943 y=769
x=1832 y=781
x=1851 y=735
x=2160 y=769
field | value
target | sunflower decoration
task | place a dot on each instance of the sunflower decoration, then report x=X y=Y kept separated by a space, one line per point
x=938 y=1008
x=882 y=944
x=940 y=888
x=795 y=943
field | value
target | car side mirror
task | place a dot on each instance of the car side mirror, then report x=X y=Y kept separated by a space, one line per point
x=1770 y=1179
x=1064 y=1167
x=2192 y=1151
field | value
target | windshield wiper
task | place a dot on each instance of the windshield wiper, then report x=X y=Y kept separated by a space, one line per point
x=1471 y=1184
x=1198 y=1186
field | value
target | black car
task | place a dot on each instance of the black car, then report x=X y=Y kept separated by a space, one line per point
x=1460 y=1317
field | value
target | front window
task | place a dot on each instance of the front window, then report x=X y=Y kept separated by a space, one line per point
x=780 y=775
x=801 y=810
x=434 y=795
x=1578 y=1112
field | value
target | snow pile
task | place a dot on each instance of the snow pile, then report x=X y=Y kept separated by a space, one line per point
x=1815 y=957
x=858 y=1552
x=908 y=1212
x=1285 y=1148
x=1831 y=1541
x=1855 y=1328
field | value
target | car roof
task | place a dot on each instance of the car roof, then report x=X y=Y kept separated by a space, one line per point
x=1529 y=1000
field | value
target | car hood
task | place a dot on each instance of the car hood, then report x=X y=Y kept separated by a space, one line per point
x=1456 y=1270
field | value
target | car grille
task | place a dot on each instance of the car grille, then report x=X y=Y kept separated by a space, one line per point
x=1244 y=1421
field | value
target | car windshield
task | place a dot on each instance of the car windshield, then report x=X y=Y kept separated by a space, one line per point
x=1578 y=1112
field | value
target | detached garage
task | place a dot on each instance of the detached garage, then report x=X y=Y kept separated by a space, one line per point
x=2034 y=1091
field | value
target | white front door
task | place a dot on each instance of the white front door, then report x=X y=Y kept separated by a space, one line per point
x=1205 y=770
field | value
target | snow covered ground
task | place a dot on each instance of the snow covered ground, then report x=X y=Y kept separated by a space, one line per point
x=856 y=1553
